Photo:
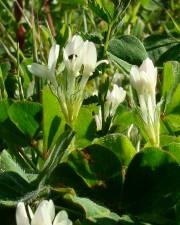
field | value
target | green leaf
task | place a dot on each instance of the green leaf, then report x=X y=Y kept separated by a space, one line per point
x=167 y=139
x=85 y=126
x=171 y=80
x=171 y=94
x=172 y=54
x=23 y=115
x=123 y=118
x=98 y=10
x=92 y=210
x=174 y=149
x=88 y=163
x=65 y=176
x=55 y=156
x=4 y=105
x=7 y=164
x=128 y=48
x=173 y=121
x=121 y=64
x=149 y=5
x=120 y=145
x=152 y=184
x=9 y=132
x=174 y=105
x=53 y=119
x=12 y=188
x=157 y=44
x=94 y=213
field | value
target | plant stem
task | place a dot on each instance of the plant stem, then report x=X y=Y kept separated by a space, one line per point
x=21 y=94
x=25 y=157
x=107 y=38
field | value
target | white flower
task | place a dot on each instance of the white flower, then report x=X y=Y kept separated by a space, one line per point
x=115 y=97
x=44 y=215
x=47 y=71
x=78 y=53
x=98 y=120
x=144 y=78
x=90 y=58
x=72 y=54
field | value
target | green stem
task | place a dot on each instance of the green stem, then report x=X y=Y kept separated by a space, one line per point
x=25 y=157
x=21 y=94
x=107 y=38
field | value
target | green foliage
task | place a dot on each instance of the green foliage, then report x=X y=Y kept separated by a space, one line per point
x=53 y=122
x=98 y=177
x=128 y=48
x=152 y=185
x=125 y=51
x=171 y=95
x=120 y=146
x=23 y=115
x=85 y=126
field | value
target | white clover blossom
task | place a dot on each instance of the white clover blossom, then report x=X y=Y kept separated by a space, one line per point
x=90 y=58
x=113 y=99
x=144 y=80
x=44 y=215
x=72 y=55
x=47 y=72
x=79 y=63
x=78 y=53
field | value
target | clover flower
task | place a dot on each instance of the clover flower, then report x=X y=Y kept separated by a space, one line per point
x=48 y=71
x=44 y=215
x=80 y=61
x=78 y=53
x=144 y=80
x=113 y=99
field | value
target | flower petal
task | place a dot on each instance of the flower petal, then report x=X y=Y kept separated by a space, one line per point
x=42 y=214
x=30 y=212
x=21 y=215
x=39 y=70
x=53 y=56
x=134 y=76
x=89 y=58
x=51 y=209
x=147 y=66
x=62 y=219
x=74 y=45
x=98 y=120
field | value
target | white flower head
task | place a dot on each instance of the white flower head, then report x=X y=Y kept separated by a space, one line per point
x=90 y=58
x=78 y=53
x=115 y=97
x=72 y=54
x=144 y=78
x=44 y=215
x=47 y=72
x=98 y=120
